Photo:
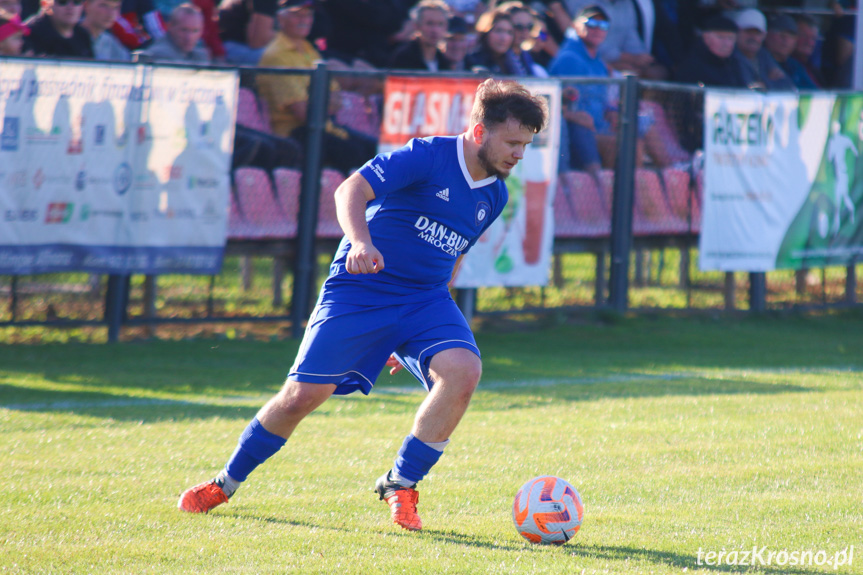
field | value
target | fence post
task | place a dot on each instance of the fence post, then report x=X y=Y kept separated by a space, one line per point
x=465 y=298
x=116 y=297
x=851 y=282
x=757 y=291
x=621 y=204
x=305 y=265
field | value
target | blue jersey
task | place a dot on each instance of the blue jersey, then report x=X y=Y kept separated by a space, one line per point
x=427 y=211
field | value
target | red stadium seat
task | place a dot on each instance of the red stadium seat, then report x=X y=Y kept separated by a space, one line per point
x=288 y=186
x=652 y=213
x=579 y=208
x=359 y=113
x=262 y=217
x=328 y=223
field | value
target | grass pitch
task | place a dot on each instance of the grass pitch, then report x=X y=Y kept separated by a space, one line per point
x=683 y=436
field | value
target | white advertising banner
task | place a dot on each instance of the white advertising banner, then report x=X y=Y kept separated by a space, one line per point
x=114 y=169
x=783 y=181
x=516 y=249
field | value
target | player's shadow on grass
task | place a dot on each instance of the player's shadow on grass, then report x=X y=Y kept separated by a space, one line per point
x=678 y=560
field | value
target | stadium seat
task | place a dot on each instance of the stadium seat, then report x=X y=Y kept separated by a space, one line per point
x=249 y=111
x=579 y=209
x=262 y=216
x=652 y=213
x=328 y=223
x=359 y=113
x=288 y=186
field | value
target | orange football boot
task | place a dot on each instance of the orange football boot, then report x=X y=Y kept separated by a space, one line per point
x=201 y=498
x=402 y=501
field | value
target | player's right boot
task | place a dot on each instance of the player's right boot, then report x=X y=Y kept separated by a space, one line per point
x=201 y=498
x=402 y=501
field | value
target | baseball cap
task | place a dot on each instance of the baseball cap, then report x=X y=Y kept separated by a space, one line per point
x=751 y=18
x=782 y=23
x=289 y=4
x=719 y=23
x=592 y=11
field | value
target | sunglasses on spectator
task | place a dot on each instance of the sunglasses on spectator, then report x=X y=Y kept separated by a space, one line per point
x=64 y=2
x=600 y=24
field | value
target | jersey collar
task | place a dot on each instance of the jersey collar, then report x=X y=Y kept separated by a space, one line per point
x=470 y=181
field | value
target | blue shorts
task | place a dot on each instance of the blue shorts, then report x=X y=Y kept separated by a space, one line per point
x=348 y=344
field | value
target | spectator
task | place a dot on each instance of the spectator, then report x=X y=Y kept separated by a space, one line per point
x=838 y=57
x=55 y=31
x=759 y=68
x=525 y=26
x=246 y=27
x=138 y=24
x=456 y=45
x=287 y=95
x=12 y=33
x=470 y=10
x=623 y=49
x=181 y=42
x=493 y=53
x=587 y=127
x=99 y=18
x=423 y=52
x=781 y=42
x=805 y=49
x=9 y=9
x=711 y=61
x=365 y=29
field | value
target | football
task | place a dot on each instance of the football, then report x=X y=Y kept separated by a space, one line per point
x=547 y=509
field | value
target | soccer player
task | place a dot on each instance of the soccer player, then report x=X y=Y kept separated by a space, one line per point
x=409 y=217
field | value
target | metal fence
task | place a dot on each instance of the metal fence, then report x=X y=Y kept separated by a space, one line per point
x=626 y=225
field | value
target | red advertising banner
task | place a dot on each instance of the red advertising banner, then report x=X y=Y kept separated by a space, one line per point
x=416 y=107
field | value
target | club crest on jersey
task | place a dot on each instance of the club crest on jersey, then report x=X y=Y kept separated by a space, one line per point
x=440 y=236
x=482 y=212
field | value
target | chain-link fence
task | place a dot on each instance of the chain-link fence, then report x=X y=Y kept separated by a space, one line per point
x=280 y=166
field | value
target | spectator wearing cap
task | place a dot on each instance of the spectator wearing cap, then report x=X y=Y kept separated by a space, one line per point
x=99 y=18
x=56 y=31
x=711 y=61
x=457 y=44
x=806 y=50
x=181 y=42
x=781 y=42
x=12 y=33
x=287 y=94
x=624 y=49
x=759 y=68
x=431 y=18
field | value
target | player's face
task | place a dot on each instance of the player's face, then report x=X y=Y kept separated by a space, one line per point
x=502 y=147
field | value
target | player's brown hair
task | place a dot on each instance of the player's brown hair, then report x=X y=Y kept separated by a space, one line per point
x=499 y=100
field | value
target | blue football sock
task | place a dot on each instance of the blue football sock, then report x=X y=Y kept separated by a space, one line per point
x=256 y=445
x=415 y=460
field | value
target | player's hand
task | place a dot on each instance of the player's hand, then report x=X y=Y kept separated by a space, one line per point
x=364 y=259
x=395 y=364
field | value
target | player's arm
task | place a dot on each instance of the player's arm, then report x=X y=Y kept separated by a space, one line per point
x=351 y=198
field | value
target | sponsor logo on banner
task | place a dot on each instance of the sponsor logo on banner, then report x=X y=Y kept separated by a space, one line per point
x=99 y=134
x=204 y=183
x=84 y=214
x=38 y=178
x=418 y=107
x=59 y=212
x=21 y=215
x=122 y=178
x=37 y=136
x=11 y=134
x=17 y=179
x=80 y=180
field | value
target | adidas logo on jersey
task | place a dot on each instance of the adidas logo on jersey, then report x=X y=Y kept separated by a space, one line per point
x=444 y=194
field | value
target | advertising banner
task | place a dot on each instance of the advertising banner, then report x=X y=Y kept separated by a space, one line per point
x=783 y=181
x=114 y=169
x=516 y=249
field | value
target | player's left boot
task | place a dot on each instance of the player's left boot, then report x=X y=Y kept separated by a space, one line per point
x=402 y=501
x=201 y=498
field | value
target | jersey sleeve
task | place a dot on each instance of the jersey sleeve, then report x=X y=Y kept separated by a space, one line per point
x=387 y=173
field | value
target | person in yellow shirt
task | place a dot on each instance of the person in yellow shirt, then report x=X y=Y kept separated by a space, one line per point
x=287 y=95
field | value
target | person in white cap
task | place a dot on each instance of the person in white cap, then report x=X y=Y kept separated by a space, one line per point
x=760 y=68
